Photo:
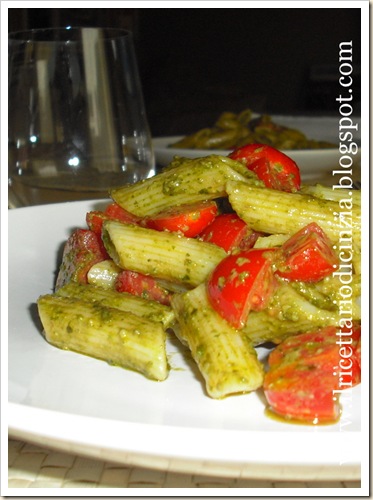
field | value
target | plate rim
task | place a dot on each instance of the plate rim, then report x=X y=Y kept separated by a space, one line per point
x=159 y=458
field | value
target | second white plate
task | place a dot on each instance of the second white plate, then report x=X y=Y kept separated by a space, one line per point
x=313 y=163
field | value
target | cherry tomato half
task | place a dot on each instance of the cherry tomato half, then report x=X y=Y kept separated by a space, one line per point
x=308 y=255
x=306 y=374
x=229 y=231
x=274 y=168
x=189 y=219
x=141 y=285
x=96 y=218
x=242 y=282
x=114 y=211
x=82 y=250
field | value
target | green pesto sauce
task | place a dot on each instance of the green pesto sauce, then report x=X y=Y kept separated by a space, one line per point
x=200 y=350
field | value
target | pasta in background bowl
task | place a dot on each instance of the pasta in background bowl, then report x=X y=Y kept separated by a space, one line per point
x=313 y=163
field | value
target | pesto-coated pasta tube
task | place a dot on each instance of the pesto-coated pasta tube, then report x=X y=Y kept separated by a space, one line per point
x=226 y=359
x=328 y=193
x=261 y=327
x=193 y=180
x=147 y=309
x=326 y=293
x=272 y=211
x=117 y=337
x=290 y=313
x=270 y=241
x=103 y=274
x=290 y=305
x=161 y=254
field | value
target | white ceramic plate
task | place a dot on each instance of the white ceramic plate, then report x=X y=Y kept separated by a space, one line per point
x=313 y=163
x=78 y=404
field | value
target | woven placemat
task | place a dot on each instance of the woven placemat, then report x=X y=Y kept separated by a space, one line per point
x=31 y=466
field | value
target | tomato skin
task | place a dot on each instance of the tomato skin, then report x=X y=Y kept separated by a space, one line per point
x=307 y=256
x=96 y=218
x=358 y=353
x=318 y=406
x=82 y=250
x=304 y=370
x=142 y=286
x=241 y=282
x=189 y=219
x=229 y=231
x=114 y=211
x=274 y=168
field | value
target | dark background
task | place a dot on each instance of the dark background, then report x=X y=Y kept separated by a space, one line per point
x=196 y=63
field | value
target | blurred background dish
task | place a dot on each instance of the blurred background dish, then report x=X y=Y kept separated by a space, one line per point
x=313 y=163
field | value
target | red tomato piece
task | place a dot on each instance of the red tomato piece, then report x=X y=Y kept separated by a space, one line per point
x=82 y=250
x=242 y=282
x=358 y=352
x=274 y=168
x=189 y=219
x=96 y=218
x=307 y=372
x=141 y=285
x=229 y=231
x=114 y=211
x=307 y=256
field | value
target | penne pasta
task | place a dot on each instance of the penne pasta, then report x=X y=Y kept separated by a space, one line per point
x=289 y=313
x=288 y=304
x=273 y=212
x=262 y=327
x=226 y=358
x=120 y=338
x=103 y=274
x=273 y=240
x=189 y=181
x=330 y=287
x=328 y=193
x=162 y=254
x=147 y=309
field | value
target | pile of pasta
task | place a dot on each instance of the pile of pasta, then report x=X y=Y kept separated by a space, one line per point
x=233 y=130
x=130 y=331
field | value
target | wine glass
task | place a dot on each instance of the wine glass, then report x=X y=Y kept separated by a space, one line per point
x=77 y=122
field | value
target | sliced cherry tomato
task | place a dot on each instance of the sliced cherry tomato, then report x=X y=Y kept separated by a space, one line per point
x=307 y=372
x=96 y=218
x=114 y=211
x=229 y=231
x=82 y=250
x=273 y=167
x=142 y=286
x=241 y=282
x=189 y=219
x=308 y=255
x=358 y=352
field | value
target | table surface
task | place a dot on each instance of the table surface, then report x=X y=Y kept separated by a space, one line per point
x=31 y=466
